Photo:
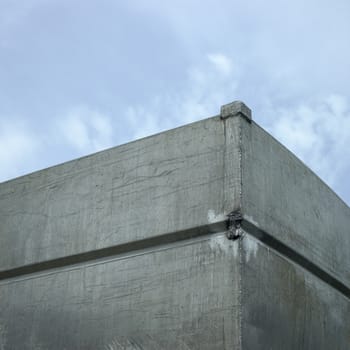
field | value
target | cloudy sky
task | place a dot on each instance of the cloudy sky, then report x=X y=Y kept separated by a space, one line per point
x=78 y=76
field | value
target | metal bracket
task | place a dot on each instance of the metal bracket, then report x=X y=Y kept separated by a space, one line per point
x=234 y=221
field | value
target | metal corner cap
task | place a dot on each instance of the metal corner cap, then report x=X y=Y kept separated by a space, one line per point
x=236 y=108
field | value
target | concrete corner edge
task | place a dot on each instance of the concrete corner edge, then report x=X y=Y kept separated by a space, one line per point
x=236 y=108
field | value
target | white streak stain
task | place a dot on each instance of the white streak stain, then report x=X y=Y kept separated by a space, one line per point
x=213 y=218
x=224 y=245
x=250 y=246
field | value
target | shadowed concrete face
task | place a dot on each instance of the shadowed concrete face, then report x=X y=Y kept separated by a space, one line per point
x=129 y=248
x=287 y=307
x=283 y=197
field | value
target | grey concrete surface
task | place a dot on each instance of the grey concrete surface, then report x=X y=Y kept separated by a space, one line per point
x=286 y=307
x=182 y=296
x=128 y=248
x=286 y=199
x=166 y=183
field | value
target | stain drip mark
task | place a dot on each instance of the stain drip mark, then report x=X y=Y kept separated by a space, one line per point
x=296 y=257
x=234 y=230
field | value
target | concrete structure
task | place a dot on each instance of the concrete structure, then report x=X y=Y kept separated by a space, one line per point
x=209 y=236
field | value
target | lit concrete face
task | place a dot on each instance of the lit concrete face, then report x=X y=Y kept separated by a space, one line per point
x=181 y=296
x=170 y=182
x=127 y=248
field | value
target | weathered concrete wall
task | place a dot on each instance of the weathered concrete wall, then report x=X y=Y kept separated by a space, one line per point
x=170 y=182
x=181 y=296
x=287 y=307
x=284 y=198
x=127 y=248
x=295 y=255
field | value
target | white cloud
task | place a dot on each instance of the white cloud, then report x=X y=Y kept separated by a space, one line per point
x=17 y=147
x=23 y=149
x=318 y=133
x=86 y=130
x=222 y=63
x=143 y=122
x=211 y=83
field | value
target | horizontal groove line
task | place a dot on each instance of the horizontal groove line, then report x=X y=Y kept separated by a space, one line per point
x=295 y=257
x=115 y=250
